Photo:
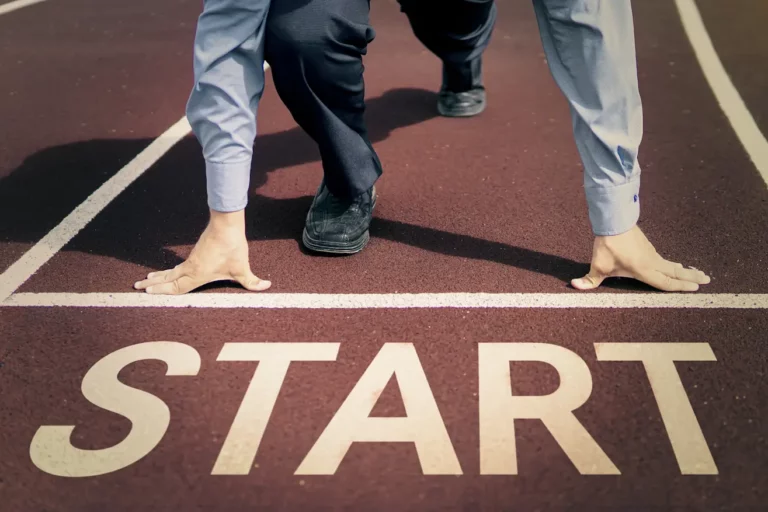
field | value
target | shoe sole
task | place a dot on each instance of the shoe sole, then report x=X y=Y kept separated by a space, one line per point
x=351 y=247
x=473 y=111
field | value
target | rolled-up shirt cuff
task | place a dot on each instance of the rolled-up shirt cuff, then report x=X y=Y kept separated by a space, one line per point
x=227 y=185
x=614 y=210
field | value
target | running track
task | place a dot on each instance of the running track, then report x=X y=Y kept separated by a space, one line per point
x=480 y=226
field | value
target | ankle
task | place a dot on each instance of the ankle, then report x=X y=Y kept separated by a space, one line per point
x=462 y=76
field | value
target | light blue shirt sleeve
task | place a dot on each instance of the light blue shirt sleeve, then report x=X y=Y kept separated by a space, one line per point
x=229 y=82
x=590 y=50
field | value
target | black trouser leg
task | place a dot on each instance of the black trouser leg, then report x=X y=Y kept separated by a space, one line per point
x=456 y=31
x=315 y=49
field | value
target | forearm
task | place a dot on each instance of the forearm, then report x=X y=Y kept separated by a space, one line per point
x=229 y=81
x=591 y=53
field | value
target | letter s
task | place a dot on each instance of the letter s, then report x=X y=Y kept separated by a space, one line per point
x=51 y=449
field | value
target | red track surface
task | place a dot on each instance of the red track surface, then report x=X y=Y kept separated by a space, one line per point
x=489 y=204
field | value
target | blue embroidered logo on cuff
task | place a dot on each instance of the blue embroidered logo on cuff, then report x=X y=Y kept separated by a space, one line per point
x=635 y=198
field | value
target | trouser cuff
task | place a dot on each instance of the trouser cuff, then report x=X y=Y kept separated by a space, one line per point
x=462 y=76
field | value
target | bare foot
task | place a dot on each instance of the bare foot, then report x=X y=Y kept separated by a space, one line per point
x=632 y=255
x=221 y=254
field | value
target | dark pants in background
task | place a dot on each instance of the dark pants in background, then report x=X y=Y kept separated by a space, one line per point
x=315 y=49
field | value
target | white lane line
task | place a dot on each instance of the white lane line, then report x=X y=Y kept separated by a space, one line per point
x=18 y=273
x=736 y=111
x=59 y=236
x=18 y=4
x=392 y=300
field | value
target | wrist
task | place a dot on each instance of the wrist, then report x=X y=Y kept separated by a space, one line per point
x=624 y=231
x=227 y=221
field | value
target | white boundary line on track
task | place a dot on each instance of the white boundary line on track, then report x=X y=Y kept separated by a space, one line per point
x=18 y=273
x=392 y=300
x=728 y=97
x=18 y=4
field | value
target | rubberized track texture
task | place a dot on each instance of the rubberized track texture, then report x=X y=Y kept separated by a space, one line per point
x=449 y=366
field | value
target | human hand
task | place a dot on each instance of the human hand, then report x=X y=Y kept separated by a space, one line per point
x=630 y=254
x=221 y=254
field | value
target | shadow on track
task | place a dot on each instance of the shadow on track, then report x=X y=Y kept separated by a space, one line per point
x=167 y=205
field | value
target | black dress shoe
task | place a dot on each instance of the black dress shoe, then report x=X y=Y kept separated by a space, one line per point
x=338 y=226
x=462 y=93
x=461 y=104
